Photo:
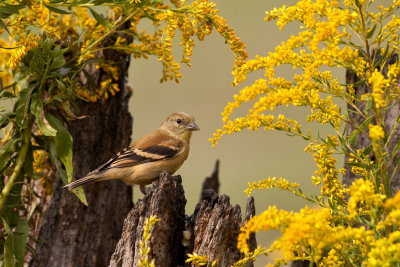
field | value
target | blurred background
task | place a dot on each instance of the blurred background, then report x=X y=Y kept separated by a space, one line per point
x=204 y=91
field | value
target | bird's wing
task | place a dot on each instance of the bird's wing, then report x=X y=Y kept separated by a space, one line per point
x=153 y=147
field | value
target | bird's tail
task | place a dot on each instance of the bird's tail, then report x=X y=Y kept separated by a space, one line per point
x=85 y=180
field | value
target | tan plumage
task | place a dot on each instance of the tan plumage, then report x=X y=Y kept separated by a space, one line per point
x=163 y=149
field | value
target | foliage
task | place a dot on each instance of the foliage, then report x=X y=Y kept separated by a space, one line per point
x=46 y=50
x=356 y=225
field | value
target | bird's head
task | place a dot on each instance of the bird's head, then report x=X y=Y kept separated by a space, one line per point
x=181 y=125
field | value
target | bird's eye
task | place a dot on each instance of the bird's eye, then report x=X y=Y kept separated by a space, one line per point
x=179 y=121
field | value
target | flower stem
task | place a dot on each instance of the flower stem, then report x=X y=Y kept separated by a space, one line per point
x=19 y=164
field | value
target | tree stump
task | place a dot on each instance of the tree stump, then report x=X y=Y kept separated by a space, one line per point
x=211 y=231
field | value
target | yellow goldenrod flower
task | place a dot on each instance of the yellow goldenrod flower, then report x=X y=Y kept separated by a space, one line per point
x=376 y=132
x=379 y=85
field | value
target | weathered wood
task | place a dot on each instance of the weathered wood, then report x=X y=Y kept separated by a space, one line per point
x=211 y=231
x=166 y=200
x=250 y=212
x=72 y=234
x=216 y=225
x=212 y=182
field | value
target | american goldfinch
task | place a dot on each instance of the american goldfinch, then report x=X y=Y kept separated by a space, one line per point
x=163 y=149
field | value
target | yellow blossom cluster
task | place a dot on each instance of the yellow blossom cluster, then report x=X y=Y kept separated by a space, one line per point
x=358 y=225
x=359 y=163
x=392 y=211
x=393 y=74
x=327 y=172
x=281 y=183
x=201 y=18
x=144 y=260
x=379 y=83
x=272 y=218
x=324 y=23
x=5 y=76
x=385 y=252
x=363 y=198
x=24 y=46
x=318 y=236
x=84 y=32
x=376 y=132
x=309 y=234
x=42 y=169
x=68 y=26
x=195 y=259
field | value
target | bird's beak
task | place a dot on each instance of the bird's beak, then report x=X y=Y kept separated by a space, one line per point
x=192 y=127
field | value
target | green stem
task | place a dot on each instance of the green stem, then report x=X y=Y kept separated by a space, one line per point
x=365 y=34
x=19 y=164
x=44 y=78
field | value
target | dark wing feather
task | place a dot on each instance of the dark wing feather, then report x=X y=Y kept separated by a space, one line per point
x=161 y=150
x=128 y=157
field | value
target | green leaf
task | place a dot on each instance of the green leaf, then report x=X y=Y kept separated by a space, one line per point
x=57 y=63
x=99 y=18
x=11 y=219
x=358 y=130
x=15 y=244
x=368 y=105
x=9 y=260
x=58 y=52
x=70 y=115
x=149 y=16
x=371 y=32
x=57 y=10
x=4 y=26
x=7 y=10
x=80 y=194
x=37 y=110
x=80 y=2
x=20 y=238
x=358 y=164
x=63 y=145
x=6 y=94
x=53 y=158
x=6 y=151
x=58 y=57
x=100 y=2
x=21 y=107
x=13 y=200
x=367 y=150
x=356 y=84
x=384 y=57
x=5 y=119
x=6 y=226
x=62 y=149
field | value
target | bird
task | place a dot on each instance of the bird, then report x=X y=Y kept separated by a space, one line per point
x=164 y=149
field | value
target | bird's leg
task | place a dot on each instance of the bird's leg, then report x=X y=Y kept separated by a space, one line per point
x=143 y=189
